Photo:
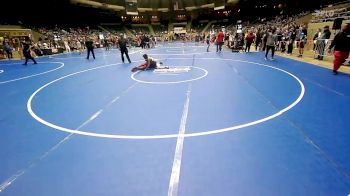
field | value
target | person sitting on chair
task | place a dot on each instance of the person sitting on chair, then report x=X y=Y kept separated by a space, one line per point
x=149 y=64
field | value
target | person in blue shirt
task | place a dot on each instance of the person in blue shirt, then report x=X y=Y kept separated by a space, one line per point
x=8 y=50
x=302 y=42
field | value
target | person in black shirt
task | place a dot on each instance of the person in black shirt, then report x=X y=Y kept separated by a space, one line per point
x=147 y=42
x=197 y=39
x=291 y=40
x=123 y=49
x=143 y=41
x=341 y=45
x=106 y=44
x=258 y=40
x=264 y=39
x=26 y=52
x=90 y=48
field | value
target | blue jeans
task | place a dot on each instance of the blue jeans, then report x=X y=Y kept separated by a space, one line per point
x=219 y=46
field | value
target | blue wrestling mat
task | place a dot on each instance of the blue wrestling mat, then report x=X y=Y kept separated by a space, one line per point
x=230 y=124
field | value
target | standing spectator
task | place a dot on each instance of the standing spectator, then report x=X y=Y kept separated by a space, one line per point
x=279 y=39
x=18 y=47
x=304 y=30
x=291 y=39
x=249 y=40
x=341 y=44
x=283 y=45
x=142 y=38
x=208 y=42
x=316 y=37
x=8 y=50
x=79 y=46
x=106 y=44
x=258 y=40
x=147 y=42
x=271 y=43
x=264 y=39
x=302 y=42
x=219 y=40
x=197 y=39
x=153 y=42
x=66 y=45
x=230 y=40
x=321 y=43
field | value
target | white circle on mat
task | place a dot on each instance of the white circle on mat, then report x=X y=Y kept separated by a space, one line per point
x=165 y=136
x=179 y=54
x=180 y=50
x=34 y=75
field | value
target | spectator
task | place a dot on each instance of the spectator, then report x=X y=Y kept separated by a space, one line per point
x=291 y=39
x=271 y=40
x=66 y=45
x=341 y=44
x=8 y=50
x=208 y=42
x=316 y=37
x=321 y=43
x=219 y=41
x=302 y=41
x=249 y=40
x=258 y=40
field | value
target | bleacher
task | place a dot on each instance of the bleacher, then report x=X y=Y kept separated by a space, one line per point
x=114 y=29
x=139 y=30
x=331 y=13
x=198 y=28
x=159 y=29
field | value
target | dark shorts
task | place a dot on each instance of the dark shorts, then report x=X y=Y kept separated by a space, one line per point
x=301 y=44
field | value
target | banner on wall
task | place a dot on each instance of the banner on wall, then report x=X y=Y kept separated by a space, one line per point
x=179 y=30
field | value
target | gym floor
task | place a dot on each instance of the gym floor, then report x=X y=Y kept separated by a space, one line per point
x=233 y=124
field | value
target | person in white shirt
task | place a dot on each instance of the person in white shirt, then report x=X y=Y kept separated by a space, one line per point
x=66 y=46
x=316 y=37
x=79 y=47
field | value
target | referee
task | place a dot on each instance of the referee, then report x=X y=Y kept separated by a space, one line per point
x=123 y=49
x=27 y=46
x=90 y=48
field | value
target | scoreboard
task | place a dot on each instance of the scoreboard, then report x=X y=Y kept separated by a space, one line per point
x=131 y=7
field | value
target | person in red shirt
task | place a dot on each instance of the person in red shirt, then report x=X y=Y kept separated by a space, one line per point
x=219 y=40
x=249 y=40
